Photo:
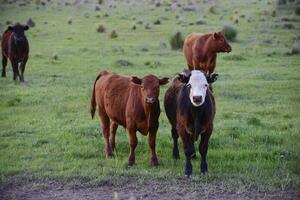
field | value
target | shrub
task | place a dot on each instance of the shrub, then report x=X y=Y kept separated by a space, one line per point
x=176 y=41
x=296 y=47
x=281 y=2
x=123 y=63
x=30 y=22
x=297 y=11
x=113 y=34
x=101 y=28
x=229 y=32
x=157 y=22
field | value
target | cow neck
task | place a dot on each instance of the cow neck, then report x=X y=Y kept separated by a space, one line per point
x=150 y=112
x=209 y=51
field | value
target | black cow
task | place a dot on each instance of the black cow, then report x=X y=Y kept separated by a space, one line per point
x=190 y=108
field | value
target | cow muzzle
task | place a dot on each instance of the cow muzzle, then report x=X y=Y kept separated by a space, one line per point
x=150 y=100
x=197 y=100
x=228 y=49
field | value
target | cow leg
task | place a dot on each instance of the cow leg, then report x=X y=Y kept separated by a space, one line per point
x=22 y=68
x=175 y=143
x=133 y=143
x=152 y=144
x=203 y=146
x=188 y=151
x=14 y=65
x=105 y=122
x=112 y=135
x=4 y=63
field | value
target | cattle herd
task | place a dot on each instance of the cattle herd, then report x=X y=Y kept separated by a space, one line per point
x=133 y=103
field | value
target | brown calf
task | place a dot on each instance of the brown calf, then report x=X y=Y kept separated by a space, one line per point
x=200 y=50
x=15 y=47
x=131 y=102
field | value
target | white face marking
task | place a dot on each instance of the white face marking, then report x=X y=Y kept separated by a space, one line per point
x=198 y=87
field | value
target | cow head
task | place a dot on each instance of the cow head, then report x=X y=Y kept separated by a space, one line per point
x=197 y=83
x=18 y=30
x=220 y=43
x=150 y=87
x=185 y=75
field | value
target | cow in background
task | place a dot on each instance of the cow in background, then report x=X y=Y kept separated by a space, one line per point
x=200 y=50
x=15 y=47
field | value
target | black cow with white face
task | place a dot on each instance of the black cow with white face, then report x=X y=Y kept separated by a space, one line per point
x=190 y=108
x=15 y=47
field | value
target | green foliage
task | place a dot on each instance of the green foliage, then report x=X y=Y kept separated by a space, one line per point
x=230 y=32
x=296 y=47
x=176 y=41
x=297 y=10
x=101 y=28
x=113 y=34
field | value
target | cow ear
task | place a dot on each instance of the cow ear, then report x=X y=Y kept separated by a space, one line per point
x=215 y=36
x=26 y=28
x=163 y=81
x=212 y=78
x=136 y=80
x=184 y=78
x=10 y=28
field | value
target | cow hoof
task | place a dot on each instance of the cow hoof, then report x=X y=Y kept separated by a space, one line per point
x=203 y=167
x=176 y=157
x=110 y=156
x=187 y=176
x=131 y=161
x=188 y=171
x=175 y=154
x=154 y=162
x=193 y=156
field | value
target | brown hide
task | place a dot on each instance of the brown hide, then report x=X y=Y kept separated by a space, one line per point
x=200 y=50
x=130 y=102
x=15 y=47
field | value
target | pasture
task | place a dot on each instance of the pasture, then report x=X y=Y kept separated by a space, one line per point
x=48 y=139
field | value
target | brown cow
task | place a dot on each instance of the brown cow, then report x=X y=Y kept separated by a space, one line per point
x=190 y=108
x=131 y=102
x=200 y=50
x=15 y=47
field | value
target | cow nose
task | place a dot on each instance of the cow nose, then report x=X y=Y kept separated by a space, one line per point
x=229 y=49
x=150 y=100
x=197 y=99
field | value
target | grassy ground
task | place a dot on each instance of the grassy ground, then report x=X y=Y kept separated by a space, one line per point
x=47 y=132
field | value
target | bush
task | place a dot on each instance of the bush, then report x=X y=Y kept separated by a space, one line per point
x=229 y=32
x=30 y=22
x=123 y=63
x=281 y=2
x=296 y=47
x=176 y=41
x=101 y=29
x=100 y=1
x=157 y=22
x=113 y=34
x=297 y=11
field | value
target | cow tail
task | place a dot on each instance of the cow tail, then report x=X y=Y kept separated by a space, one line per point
x=93 y=103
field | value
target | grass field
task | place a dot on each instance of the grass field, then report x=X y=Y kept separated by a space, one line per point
x=47 y=134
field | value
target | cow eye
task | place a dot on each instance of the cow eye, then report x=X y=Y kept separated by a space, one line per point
x=206 y=85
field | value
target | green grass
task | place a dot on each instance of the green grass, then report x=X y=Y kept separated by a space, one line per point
x=46 y=131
